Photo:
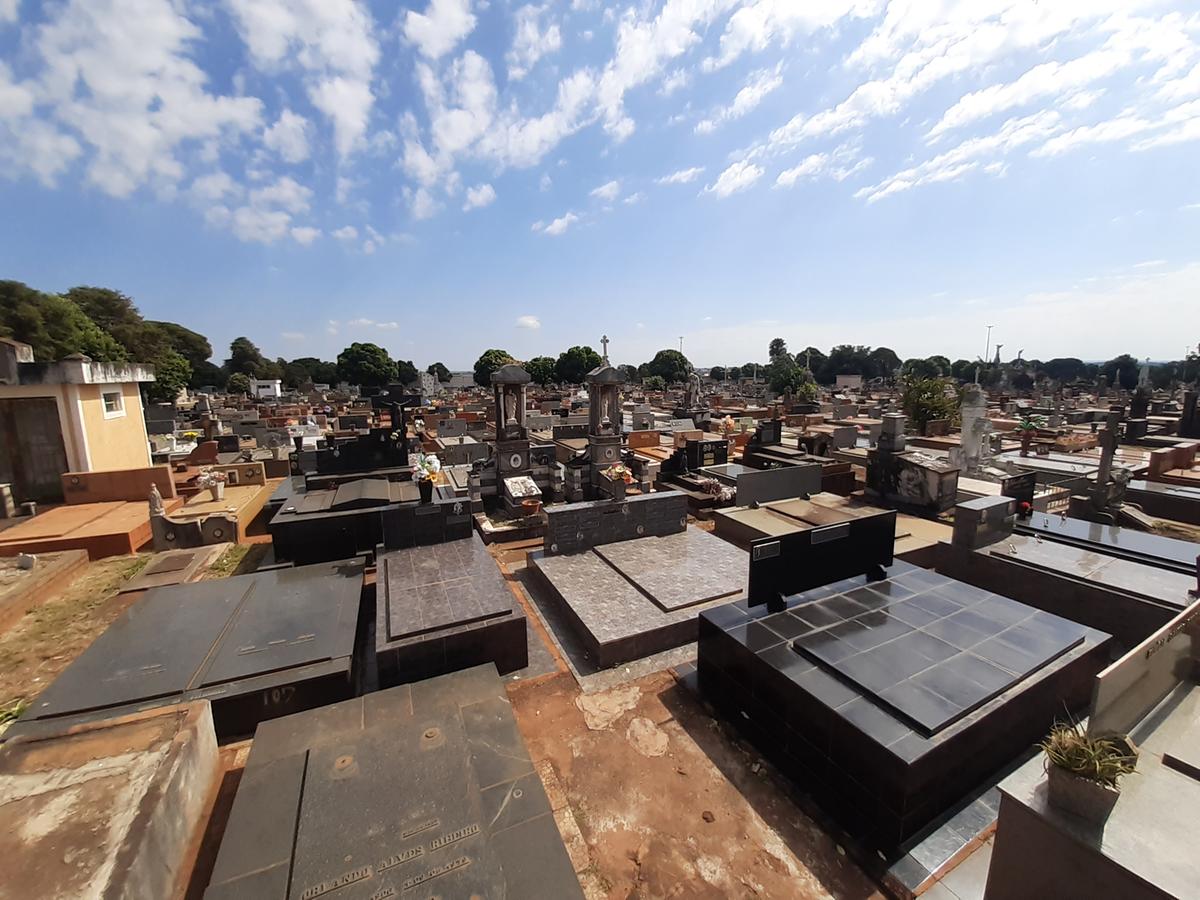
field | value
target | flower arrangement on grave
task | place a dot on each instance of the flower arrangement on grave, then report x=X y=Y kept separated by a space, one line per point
x=212 y=480
x=426 y=467
x=723 y=492
x=619 y=472
x=728 y=426
x=419 y=423
x=190 y=435
x=397 y=436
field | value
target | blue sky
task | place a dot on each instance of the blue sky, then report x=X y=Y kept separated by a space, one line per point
x=443 y=176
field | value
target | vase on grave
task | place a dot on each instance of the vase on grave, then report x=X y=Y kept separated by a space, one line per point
x=425 y=486
x=217 y=491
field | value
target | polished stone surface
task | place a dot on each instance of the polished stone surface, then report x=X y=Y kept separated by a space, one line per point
x=611 y=599
x=288 y=631
x=422 y=790
x=442 y=607
x=930 y=648
x=679 y=570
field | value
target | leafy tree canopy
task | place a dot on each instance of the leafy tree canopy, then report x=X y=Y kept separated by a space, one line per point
x=172 y=373
x=777 y=347
x=541 y=370
x=439 y=371
x=655 y=383
x=239 y=383
x=784 y=376
x=670 y=365
x=574 y=364
x=489 y=362
x=366 y=364
x=925 y=399
x=406 y=372
x=1123 y=371
x=54 y=326
x=717 y=373
x=631 y=373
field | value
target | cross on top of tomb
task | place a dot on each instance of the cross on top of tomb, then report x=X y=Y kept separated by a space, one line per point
x=604 y=344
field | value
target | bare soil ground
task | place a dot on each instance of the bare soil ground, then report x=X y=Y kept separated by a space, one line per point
x=47 y=638
x=667 y=805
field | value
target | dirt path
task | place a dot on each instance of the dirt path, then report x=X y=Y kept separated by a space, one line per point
x=668 y=806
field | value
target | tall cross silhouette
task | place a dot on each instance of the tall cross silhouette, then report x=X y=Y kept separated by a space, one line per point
x=604 y=344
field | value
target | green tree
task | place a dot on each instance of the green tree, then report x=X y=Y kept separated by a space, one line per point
x=574 y=364
x=488 y=363
x=925 y=399
x=207 y=374
x=654 y=383
x=670 y=365
x=963 y=370
x=1065 y=368
x=319 y=371
x=541 y=370
x=751 y=370
x=777 y=347
x=439 y=371
x=191 y=345
x=239 y=383
x=244 y=357
x=296 y=375
x=811 y=358
x=406 y=372
x=883 y=363
x=717 y=373
x=172 y=373
x=366 y=365
x=1122 y=371
x=846 y=359
x=925 y=368
x=785 y=377
x=53 y=326
x=631 y=373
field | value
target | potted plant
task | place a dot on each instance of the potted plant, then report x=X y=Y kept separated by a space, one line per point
x=1083 y=771
x=213 y=481
x=1026 y=429
x=425 y=471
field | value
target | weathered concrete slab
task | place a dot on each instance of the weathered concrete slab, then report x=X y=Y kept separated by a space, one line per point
x=108 y=809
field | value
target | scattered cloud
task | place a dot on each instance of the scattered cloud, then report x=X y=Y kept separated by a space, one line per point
x=440 y=28
x=387 y=326
x=288 y=137
x=737 y=177
x=683 y=176
x=292 y=336
x=305 y=235
x=532 y=322
x=545 y=182
x=1150 y=264
x=558 y=226
x=759 y=85
x=634 y=198
x=607 y=192
x=346 y=233
x=359 y=323
x=837 y=164
x=531 y=41
x=479 y=196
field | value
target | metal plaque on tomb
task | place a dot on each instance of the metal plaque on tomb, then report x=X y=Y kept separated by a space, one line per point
x=425 y=790
x=707 y=453
x=256 y=646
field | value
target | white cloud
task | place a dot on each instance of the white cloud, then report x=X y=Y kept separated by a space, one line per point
x=331 y=42
x=607 y=192
x=558 y=226
x=759 y=23
x=737 y=177
x=288 y=137
x=1125 y=125
x=634 y=198
x=968 y=156
x=388 y=326
x=8 y=10
x=439 y=29
x=532 y=322
x=332 y=327
x=305 y=235
x=1150 y=264
x=756 y=89
x=359 y=323
x=683 y=176
x=422 y=204
x=838 y=164
x=292 y=335
x=531 y=42
x=267 y=215
x=545 y=183
x=479 y=196
x=214 y=187
x=115 y=79
x=346 y=233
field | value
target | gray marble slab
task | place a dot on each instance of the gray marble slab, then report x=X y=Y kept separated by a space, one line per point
x=680 y=570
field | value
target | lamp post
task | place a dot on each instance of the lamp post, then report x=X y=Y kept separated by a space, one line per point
x=987 y=350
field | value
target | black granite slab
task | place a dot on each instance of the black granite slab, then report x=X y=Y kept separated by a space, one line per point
x=966 y=647
x=845 y=721
x=256 y=646
x=445 y=607
x=425 y=790
x=679 y=570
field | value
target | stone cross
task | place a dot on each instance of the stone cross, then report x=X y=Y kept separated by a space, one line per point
x=604 y=344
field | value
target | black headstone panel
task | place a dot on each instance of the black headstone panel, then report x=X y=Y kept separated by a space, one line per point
x=793 y=563
x=419 y=791
x=256 y=646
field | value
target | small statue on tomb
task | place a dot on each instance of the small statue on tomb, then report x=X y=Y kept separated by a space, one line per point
x=156 y=502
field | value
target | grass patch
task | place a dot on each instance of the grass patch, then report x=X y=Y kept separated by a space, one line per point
x=237 y=560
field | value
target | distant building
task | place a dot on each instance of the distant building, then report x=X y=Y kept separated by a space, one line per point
x=849 y=382
x=266 y=388
x=74 y=415
x=459 y=380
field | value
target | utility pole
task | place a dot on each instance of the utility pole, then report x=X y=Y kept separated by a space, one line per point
x=987 y=350
x=681 y=343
